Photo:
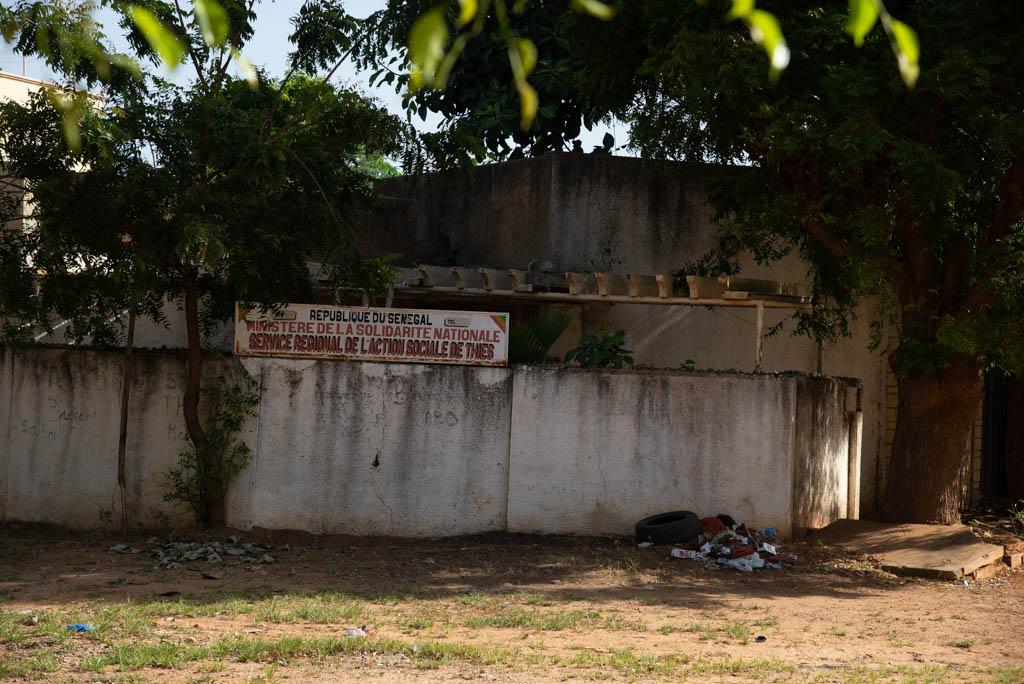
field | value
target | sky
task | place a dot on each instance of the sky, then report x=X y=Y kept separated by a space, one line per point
x=269 y=48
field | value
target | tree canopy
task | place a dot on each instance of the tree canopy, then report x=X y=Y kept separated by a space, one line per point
x=914 y=196
x=219 y=191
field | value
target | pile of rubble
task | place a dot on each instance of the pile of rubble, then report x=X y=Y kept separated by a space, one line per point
x=724 y=542
x=230 y=552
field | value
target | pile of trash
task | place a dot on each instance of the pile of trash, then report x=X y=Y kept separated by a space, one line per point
x=230 y=552
x=724 y=542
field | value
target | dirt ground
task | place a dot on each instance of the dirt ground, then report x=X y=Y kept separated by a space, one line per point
x=505 y=607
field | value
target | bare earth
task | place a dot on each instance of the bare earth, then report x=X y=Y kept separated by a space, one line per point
x=504 y=607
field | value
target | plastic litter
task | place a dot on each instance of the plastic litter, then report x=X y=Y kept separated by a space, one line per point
x=356 y=632
x=81 y=628
x=760 y=639
x=726 y=543
x=644 y=545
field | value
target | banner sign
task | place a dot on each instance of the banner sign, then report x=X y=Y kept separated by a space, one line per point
x=368 y=334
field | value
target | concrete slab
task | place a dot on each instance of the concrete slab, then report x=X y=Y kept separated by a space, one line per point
x=940 y=551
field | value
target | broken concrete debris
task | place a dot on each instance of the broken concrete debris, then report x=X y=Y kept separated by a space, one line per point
x=231 y=551
x=724 y=542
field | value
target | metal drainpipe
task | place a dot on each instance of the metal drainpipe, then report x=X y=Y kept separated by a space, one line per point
x=856 y=423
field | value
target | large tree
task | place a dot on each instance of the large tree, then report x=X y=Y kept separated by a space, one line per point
x=912 y=196
x=215 y=192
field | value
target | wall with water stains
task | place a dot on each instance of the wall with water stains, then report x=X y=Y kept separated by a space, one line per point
x=420 y=450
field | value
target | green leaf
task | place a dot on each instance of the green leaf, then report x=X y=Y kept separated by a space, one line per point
x=168 y=46
x=426 y=47
x=863 y=16
x=246 y=67
x=466 y=12
x=908 y=52
x=527 y=104
x=766 y=32
x=527 y=53
x=594 y=8
x=741 y=9
x=213 y=22
x=71 y=111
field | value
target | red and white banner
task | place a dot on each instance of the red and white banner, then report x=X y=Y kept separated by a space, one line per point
x=368 y=334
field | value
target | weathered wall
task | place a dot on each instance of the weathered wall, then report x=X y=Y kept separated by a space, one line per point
x=822 y=432
x=595 y=451
x=391 y=449
x=63 y=410
x=497 y=214
x=424 y=450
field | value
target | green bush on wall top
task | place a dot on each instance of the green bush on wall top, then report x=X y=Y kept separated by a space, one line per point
x=601 y=351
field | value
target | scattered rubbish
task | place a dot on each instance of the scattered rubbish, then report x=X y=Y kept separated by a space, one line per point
x=668 y=528
x=430 y=561
x=168 y=619
x=252 y=631
x=711 y=525
x=760 y=639
x=725 y=543
x=31 y=621
x=80 y=628
x=232 y=551
x=644 y=544
x=123 y=548
x=965 y=582
x=726 y=520
x=355 y=632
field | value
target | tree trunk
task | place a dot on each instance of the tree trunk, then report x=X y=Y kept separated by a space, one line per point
x=214 y=513
x=934 y=419
x=122 y=437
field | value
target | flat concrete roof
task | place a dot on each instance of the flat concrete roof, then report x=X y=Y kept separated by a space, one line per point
x=939 y=551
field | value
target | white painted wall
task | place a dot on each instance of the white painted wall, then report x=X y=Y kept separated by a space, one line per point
x=595 y=451
x=428 y=450
x=381 y=449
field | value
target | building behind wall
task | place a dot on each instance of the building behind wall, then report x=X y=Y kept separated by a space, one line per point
x=593 y=212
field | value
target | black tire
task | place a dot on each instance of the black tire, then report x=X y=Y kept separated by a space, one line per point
x=668 y=528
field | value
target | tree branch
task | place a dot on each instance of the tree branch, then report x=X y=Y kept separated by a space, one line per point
x=312 y=177
x=191 y=54
x=330 y=73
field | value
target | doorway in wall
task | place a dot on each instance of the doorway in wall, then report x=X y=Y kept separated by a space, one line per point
x=1002 y=449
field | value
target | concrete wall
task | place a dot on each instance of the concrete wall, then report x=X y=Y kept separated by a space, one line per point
x=62 y=416
x=586 y=212
x=388 y=449
x=427 y=450
x=595 y=451
x=821 y=439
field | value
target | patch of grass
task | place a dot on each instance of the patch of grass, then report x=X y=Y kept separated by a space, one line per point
x=837 y=631
x=963 y=643
x=507 y=616
x=287 y=649
x=739 y=631
x=893 y=639
x=666 y=629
